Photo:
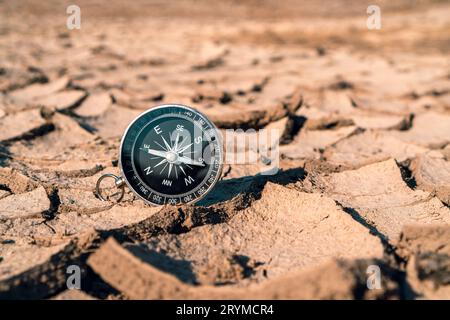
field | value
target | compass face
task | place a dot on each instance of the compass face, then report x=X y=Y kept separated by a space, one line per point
x=171 y=154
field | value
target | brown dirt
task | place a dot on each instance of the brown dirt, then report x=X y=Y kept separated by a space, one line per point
x=364 y=120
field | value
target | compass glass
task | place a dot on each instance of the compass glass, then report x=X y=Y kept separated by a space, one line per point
x=171 y=155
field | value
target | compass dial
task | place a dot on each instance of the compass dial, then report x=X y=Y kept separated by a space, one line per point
x=171 y=154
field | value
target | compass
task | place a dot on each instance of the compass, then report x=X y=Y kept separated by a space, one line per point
x=170 y=154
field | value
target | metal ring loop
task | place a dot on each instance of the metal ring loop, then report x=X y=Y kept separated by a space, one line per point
x=118 y=182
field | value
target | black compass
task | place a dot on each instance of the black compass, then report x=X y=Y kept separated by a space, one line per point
x=171 y=154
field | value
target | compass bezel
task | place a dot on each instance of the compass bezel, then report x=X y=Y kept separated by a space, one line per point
x=134 y=187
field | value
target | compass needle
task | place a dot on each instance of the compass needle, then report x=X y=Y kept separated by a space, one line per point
x=187 y=160
x=158 y=153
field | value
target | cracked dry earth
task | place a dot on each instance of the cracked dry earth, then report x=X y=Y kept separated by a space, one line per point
x=364 y=118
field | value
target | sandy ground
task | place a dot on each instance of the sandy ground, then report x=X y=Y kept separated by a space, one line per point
x=365 y=154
